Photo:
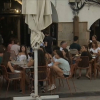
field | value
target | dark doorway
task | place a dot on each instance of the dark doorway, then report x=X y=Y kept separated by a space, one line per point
x=95 y=29
x=54 y=33
x=24 y=32
x=8 y=28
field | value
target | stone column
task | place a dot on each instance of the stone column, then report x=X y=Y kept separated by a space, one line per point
x=76 y=26
x=18 y=29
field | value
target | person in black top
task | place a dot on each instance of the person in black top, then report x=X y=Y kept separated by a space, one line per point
x=75 y=45
x=48 y=42
x=85 y=52
x=41 y=62
x=66 y=55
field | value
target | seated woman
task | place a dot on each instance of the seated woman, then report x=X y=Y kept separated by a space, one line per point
x=94 y=38
x=47 y=55
x=41 y=62
x=61 y=67
x=23 y=56
x=54 y=53
x=66 y=55
x=85 y=52
x=7 y=64
x=94 y=49
x=97 y=64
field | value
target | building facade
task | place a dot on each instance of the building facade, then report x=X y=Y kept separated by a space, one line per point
x=66 y=23
x=64 y=16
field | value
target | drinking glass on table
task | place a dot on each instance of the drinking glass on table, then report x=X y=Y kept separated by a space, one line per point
x=24 y=61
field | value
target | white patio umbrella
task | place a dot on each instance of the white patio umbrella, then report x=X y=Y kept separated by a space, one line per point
x=38 y=16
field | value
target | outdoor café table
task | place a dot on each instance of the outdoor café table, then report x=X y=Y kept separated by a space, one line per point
x=24 y=66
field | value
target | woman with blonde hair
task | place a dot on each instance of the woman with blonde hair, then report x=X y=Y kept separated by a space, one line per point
x=94 y=49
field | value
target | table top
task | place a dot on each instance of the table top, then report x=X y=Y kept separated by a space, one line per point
x=21 y=64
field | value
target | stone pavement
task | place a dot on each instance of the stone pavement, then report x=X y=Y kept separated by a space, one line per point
x=82 y=98
x=85 y=89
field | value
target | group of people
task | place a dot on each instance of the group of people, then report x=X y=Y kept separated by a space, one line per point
x=20 y=53
x=58 y=60
x=91 y=49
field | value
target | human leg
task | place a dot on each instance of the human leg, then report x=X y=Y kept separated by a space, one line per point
x=79 y=74
x=58 y=71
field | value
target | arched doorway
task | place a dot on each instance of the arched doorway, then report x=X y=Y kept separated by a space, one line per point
x=95 y=29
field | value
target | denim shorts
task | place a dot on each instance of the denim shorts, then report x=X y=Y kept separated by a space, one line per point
x=66 y=75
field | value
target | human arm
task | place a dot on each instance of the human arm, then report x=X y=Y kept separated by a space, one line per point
x=30 y=63
x=45 y=43
x=9 y=48
x=79 y=48
x=29 y=58
x=56 y=63
x=10 y=67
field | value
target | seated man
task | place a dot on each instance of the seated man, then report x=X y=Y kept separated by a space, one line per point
x=75 y=45
x=63 y=45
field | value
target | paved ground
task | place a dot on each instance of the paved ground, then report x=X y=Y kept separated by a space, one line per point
x=85 y=89
x=82 y=98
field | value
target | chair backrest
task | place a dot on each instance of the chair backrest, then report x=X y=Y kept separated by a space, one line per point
x=84 y=61
x=73 y=51
x=4 y=71
x=42 y=72
x=13 y=55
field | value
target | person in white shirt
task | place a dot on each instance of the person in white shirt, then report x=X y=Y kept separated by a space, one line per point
x=53 y=59
x=94 y=48
x=23 y=56
x=15 y=47
x=63 y=45
x=61 y=67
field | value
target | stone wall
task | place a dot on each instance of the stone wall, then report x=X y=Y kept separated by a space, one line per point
x=84 y=34
x=65 y=33
x=89 y=13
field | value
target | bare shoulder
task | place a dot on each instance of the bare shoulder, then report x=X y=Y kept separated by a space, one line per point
x=9 y=63
x=31 y=59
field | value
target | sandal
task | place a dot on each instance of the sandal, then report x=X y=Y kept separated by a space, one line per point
x=88 y=77
x=43 y=90
x=78 y=77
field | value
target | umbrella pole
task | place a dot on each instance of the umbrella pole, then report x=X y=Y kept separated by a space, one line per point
x=35 y=96
x=36 y=70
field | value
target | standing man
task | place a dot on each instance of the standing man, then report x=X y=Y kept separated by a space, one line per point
x=15 y=47
x=48 y=42
x=75 y=45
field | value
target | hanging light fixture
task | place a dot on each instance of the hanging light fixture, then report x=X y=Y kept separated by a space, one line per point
x=19 y=1
x=77 y=5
